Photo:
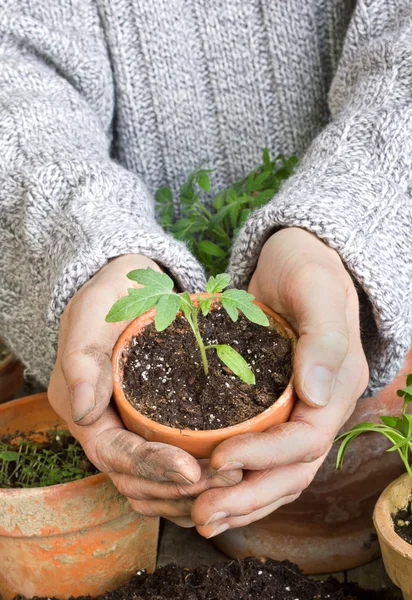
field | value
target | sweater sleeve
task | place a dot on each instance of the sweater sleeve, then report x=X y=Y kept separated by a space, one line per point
x=65 y=207
x=353 y=187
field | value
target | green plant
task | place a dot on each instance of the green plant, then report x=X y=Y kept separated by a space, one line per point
x=398 y=430
x=210 y=230
x=27 y=463
x=158 y=291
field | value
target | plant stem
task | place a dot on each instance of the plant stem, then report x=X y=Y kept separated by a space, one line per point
x=195 y=327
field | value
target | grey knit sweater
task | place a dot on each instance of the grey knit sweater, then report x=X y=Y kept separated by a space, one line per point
x=103 y=101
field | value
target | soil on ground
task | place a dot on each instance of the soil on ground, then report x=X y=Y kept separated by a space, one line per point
x=42 y=459
x=402 y=522
x=247 y=579
x=164 y=377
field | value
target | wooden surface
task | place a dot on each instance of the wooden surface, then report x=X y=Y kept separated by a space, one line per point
x=186 y=548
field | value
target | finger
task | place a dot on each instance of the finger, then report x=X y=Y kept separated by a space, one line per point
x=185 y=522
x=139 y=488
x=218 y=527
x=169 y=509
x=257 y=490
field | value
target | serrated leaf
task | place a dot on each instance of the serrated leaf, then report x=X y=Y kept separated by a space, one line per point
x=211 y=248
x=151 y=278
x=166 y=310
x=164 y=195
x=132 y=306
x=236 y=363
x=203 y=180
x=8 y=455
x=244 y=302
x=218 y=283
x=230 y=308
x=204 y=304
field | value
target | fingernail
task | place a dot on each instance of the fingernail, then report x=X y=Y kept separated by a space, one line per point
x=177 y=477
x=217 y=516
x=318 y=385
x=225 y=479
x=219 y=530
x=83 y=401
x=231 y=465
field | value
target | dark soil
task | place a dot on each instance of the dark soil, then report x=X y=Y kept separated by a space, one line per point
x=402 y=522
x=247 y=579
x=164 y=378
x=42 y=459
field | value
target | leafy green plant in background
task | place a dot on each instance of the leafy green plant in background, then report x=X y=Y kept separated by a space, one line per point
x=29 y=464
x=210 y=230
x=158 y=291
x=398 y=430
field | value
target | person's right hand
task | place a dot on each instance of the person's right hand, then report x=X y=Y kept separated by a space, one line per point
x=158 y=479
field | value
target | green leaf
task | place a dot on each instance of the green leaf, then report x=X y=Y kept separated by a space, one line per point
x=166 y=310
x=164 y=195
x=230 y=308
x=203 y=180
x=266 y=158
x=8 y=455
x=151 y=278
x=259 y=181
x=204 y=304
x=133 y=305
x=236 y=363
x=186 y=305
x=393 y=422
x=244 y=302
x=211 y=248
x=218 y=200
x=263 y=198
x=218 y=283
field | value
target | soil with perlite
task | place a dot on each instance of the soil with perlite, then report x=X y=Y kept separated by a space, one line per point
x=247 y=579
x=402 y=523
x=164 y=377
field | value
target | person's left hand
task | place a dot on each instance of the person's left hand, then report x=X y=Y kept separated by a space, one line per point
x=306 y=282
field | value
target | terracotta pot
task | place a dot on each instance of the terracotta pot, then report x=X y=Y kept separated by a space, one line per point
x=329 y=528
x=73 y=539
x=199 y=444
x=396 y=553
x=11 y=375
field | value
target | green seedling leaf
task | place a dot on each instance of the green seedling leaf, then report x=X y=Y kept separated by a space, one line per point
x=244 y=302
x=205 y=304
x=394 y=422
x=217 y=284
x=203 y=180
x=166 y=309
x=151 y=278
x=164 y=195
x=266 y=158
x=236 y=363
x=130 y=307
x=230 y=307
x=211 y=248
x=9 y=456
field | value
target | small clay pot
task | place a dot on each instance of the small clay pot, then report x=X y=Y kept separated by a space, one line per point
x=396 y=553
x=74 y=539
x=11 y=375
x=199 y=444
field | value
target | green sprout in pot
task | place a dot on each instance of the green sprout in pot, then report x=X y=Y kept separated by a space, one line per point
x=157 y=291
x=398 y=430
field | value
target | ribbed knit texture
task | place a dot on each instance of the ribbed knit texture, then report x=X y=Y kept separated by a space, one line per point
x=102 y=102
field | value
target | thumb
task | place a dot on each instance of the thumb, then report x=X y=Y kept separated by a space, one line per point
x=318 y=303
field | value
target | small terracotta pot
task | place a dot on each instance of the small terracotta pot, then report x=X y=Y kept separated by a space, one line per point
x=199 y=444
x=11 y=375
x=73 y=539
x=396 y=553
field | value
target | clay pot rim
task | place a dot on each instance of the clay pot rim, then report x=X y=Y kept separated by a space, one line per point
x=206 y=435
x=384 y=526
x=48 y=490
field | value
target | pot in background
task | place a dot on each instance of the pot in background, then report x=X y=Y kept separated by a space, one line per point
x=199 y=444
x=396 y=553
x=329 y=528
x=72 y=539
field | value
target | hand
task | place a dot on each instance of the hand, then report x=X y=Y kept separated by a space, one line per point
x=306 y=282
x=158 y=479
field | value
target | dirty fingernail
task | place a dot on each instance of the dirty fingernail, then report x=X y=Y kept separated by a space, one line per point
x=319 y=384
x=217 y=516
x=83 y=401
x=231 y=465
x=219 y=530
x=177 y=477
